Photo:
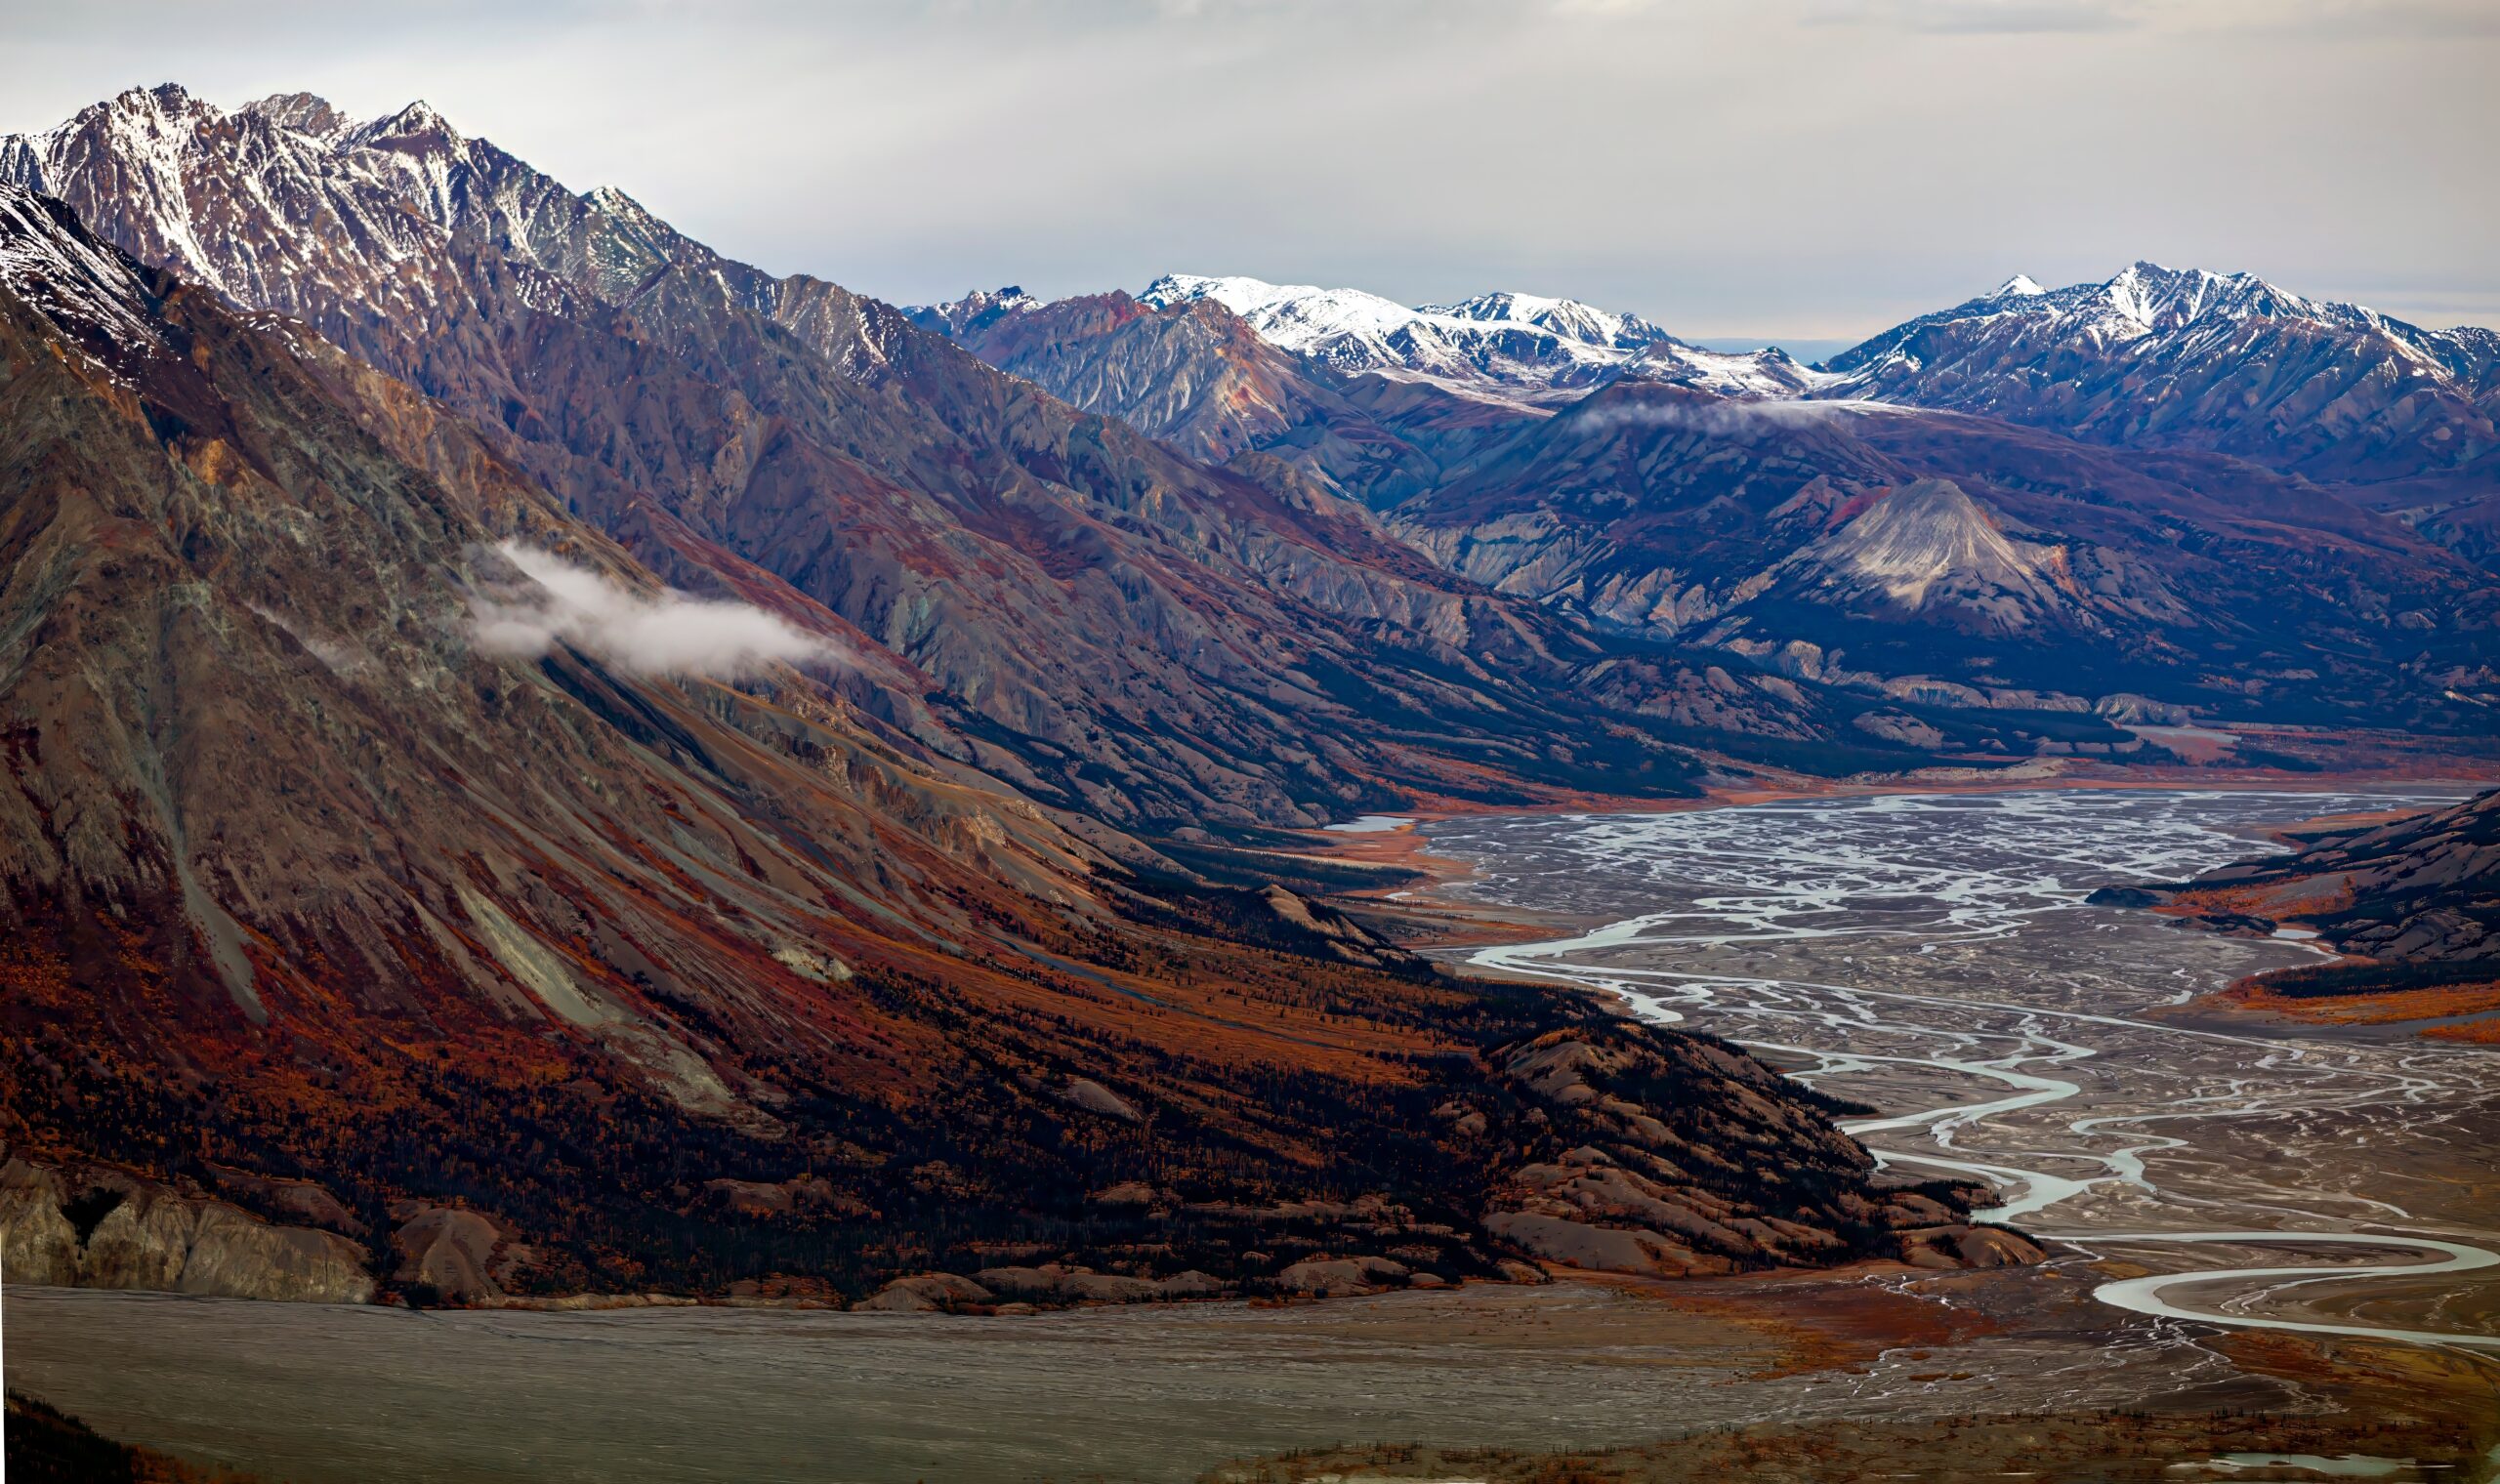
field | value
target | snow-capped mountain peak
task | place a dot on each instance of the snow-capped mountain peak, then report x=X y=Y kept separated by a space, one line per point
x=2164 y=356
x=304 y=113
x=975 y=312
x=1298 y=317
x=1511 y=345
x=1564 y=316
x=2020 y=286
x=2159 y=298
x=417 y=121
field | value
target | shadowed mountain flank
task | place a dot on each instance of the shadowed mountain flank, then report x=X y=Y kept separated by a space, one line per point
x=406 y=891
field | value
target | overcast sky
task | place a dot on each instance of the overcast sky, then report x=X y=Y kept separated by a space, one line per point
x=1799 y=168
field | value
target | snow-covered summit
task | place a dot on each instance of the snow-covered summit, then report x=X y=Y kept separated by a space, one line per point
x=342 y=208
x=976 y=311
x=417 y=120
x=1517 y=346
x=303 y=113
x=2146 y=308
x=1568 y=317
x=2157 y=356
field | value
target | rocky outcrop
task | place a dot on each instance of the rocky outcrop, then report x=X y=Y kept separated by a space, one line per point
x=1325 y=1277
x=1677 y=1157
x=1063 y=1284
x=100 y=1228
x=924 y=1293
x=453 y=1256
x=1338 y=935
x=2421 y=891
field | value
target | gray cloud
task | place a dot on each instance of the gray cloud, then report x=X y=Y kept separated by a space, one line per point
x=672 y=633
x=1785 y=168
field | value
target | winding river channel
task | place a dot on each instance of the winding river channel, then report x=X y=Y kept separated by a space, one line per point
x=1935 y=954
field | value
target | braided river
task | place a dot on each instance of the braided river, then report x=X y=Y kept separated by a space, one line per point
x=1935 y=954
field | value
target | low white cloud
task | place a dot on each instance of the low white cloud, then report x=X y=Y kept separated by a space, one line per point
x=672 y=633
x=1723 y=418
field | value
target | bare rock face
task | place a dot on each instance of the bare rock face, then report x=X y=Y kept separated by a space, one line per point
x=1057 y=1282
x=460 y=1255
x=1336 y=1277
x=1339 y=935
x=38 y=1243
x=1094 y=1097
x=2421 y=890
x=1674 y=1156
x=924 y=1293
x=100 y=1228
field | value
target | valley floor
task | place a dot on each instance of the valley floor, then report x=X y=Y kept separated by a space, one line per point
x=1931 y=956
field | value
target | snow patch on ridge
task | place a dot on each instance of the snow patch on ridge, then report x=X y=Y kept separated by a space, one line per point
x=80 y=285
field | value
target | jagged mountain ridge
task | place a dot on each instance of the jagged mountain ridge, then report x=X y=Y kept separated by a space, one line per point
x=1116 y=628
x=1375 y=415
x=1494 y=342
x=1522 y=348
x=2156 y=358
x=1198 y=377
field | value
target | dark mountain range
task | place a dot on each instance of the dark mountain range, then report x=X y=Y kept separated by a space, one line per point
x=1942 y=557
x=1926 y=555
x=2166 y=358
x=401 y=885
x=1068 y=604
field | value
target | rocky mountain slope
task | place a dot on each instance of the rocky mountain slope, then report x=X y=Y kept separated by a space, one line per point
x=405 y=891
x=2418 y=897
x=2169 y=358
x=1196 y=376
x=1938 y=557
x=1065 y=601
